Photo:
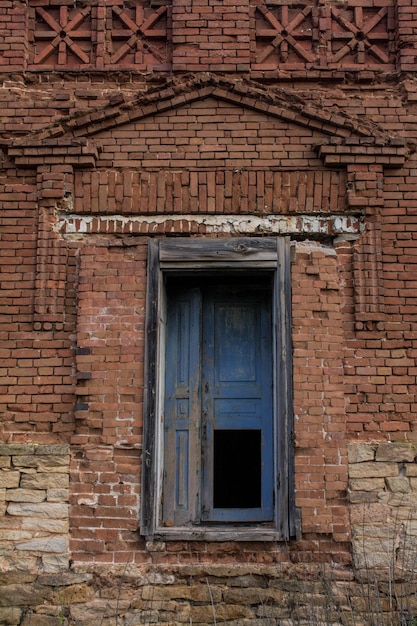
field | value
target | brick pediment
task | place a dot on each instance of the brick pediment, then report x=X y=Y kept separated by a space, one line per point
x=73 y=138
x=204 y=146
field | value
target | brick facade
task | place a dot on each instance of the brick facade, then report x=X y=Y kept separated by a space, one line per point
x=128 y=121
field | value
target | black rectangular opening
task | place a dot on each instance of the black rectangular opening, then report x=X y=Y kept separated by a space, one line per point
x=237 y=469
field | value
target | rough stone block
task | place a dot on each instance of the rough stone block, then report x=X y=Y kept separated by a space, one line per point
x=373 y=470
x=92 y=613
x=45 y=525
x=411 y=469
x=249 y=596
x=14 y=535
x=55 y=563
x=361 y=513
x=43 y=620
x=42 y=463
x=198 y=594
x=24 y=595
x=46 y=544
x=399 y=452
x=366 y=484
x=26 y=495
x=398 y=484
x=9 y=479
x=75 y=594
x=11 y=616
x=55 y=450
x=11 y=449
x=373 y=553
x=44 y=481
x=407 y=500
x=360 y=452
x=57 y=495
x=41 y=510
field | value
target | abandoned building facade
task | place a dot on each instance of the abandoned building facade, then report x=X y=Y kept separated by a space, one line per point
x=208 y=311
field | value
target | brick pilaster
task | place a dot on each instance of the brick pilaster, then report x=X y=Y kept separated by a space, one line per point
x=54 y=188
x=406 y=35
x=365 y=160
x=365 y=191
x=13 y=36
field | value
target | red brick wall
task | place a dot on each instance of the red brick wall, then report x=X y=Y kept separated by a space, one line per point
x=95 y=161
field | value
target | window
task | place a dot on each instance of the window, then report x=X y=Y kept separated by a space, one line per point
x=218 y=428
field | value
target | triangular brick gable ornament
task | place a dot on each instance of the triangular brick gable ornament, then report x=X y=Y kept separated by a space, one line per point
x=279 y=103
x=357 y=147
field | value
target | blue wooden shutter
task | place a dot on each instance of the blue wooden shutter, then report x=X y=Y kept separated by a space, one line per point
x=237 y=444
x=182 y=408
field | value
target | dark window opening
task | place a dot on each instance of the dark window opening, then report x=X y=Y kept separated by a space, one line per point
x=237 y=469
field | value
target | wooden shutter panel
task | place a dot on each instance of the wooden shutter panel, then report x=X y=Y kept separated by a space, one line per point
x=237 y=403
x=181 y=414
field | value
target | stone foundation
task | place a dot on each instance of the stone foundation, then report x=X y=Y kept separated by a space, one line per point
x=39 y=586
x=286 y=595
x=383 y=509
x=34 y=529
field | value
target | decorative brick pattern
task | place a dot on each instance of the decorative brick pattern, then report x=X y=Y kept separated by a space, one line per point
x=138 y=37
x=196 y=191
x=99 y=35
x=285 y=37
x=63 y=36
x=406 y=44
x=296 y=37
x=289 y=37
x=54 y=261
x=362 y=36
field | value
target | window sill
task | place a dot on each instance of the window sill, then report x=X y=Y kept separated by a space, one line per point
x=215 y=534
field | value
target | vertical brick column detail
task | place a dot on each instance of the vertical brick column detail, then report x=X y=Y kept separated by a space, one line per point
x=365 y=159
x=55 y=188
x=406 y=35
x=210 y=35
x=365 y=192
x=13 y=36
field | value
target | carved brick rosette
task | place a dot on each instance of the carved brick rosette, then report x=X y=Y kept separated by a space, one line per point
x=296 y=36
x=63 y=36
x=102 y=35
x=284 y=36
x=361 y=35
x=137 y=37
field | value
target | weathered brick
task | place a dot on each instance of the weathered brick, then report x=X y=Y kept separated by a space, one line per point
x=160 y=153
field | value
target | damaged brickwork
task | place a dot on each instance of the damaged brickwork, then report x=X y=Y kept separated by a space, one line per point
x=126 y=123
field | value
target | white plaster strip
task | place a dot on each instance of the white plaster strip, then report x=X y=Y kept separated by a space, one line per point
x=72 y=224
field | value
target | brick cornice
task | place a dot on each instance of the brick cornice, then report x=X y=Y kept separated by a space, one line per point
x=390 y=152
x=34 y=152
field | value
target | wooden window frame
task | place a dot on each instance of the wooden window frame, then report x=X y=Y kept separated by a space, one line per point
x=185 y=255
